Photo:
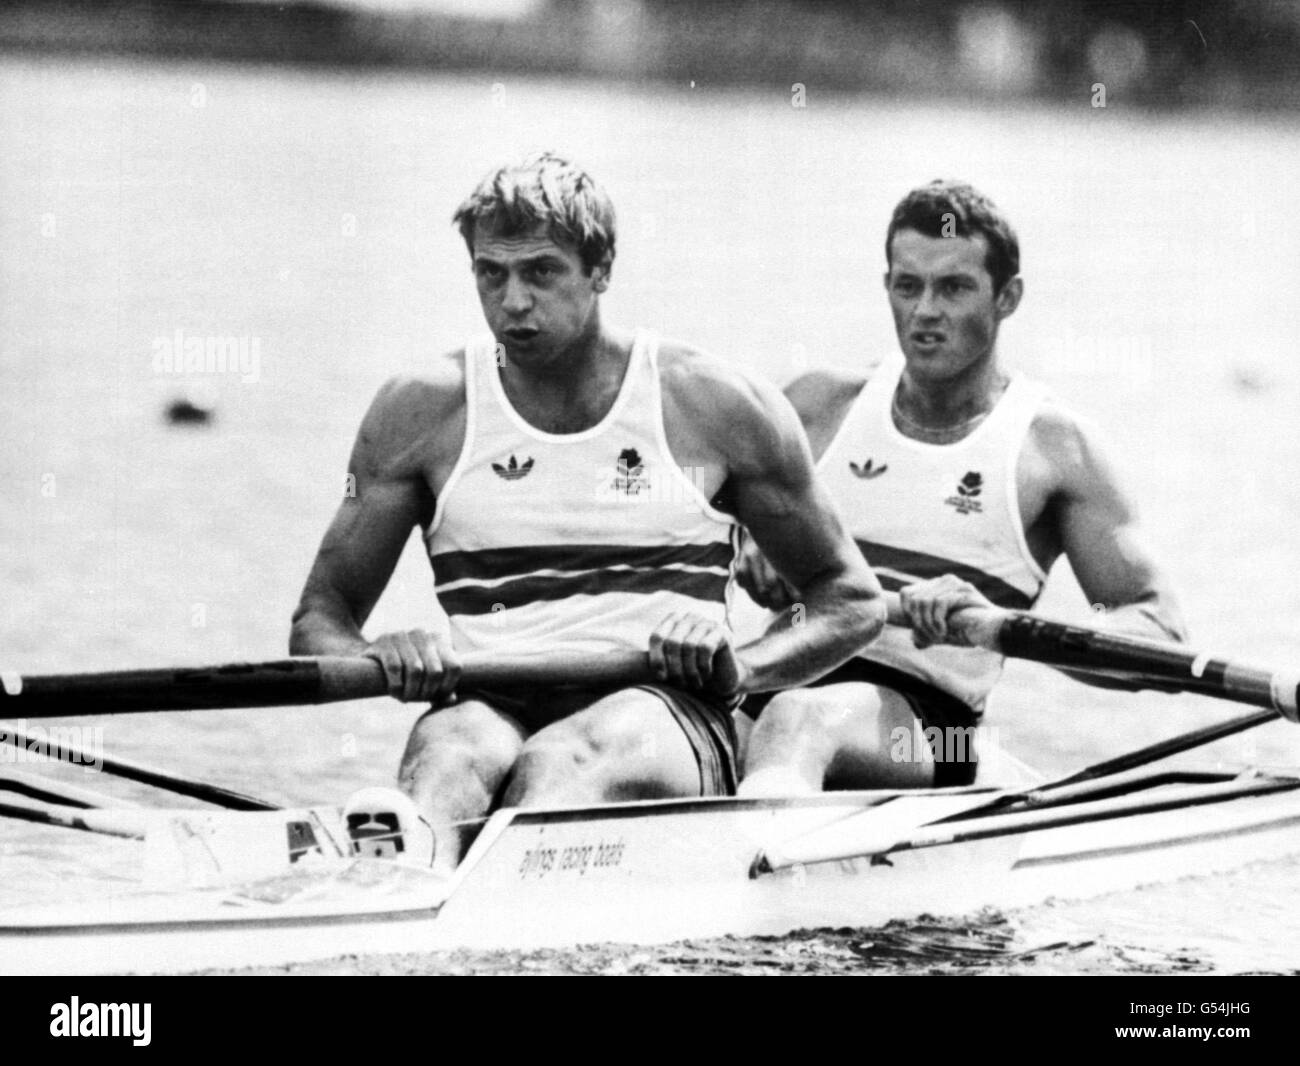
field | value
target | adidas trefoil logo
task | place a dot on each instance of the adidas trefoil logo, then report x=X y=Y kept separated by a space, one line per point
x=868 y=469
x=512 y=471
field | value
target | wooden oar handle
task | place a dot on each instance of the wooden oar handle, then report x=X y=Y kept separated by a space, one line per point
x=563 y=668
x=353 y=679
x=287 y=682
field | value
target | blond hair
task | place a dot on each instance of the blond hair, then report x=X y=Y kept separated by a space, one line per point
x=547 y=190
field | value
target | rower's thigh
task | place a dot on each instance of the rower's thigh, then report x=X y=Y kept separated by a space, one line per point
x=878 y=745
x=867 y=734
x=469 y=737
x=627 y=745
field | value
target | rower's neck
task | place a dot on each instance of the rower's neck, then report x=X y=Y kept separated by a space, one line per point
x=948 y=410
x=575 y=388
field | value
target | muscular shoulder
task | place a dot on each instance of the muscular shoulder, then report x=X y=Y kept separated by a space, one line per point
x=414 y=414
x=822 y=399
x=742 y=418
x=1070 y=451
x=819 y=394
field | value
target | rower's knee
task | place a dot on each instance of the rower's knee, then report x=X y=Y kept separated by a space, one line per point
x=795 y=741
x=620 y=739
x=806 y=717
x=554 y=769
x=469 y=742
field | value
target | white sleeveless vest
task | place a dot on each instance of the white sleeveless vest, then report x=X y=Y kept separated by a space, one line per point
x=577 y=541
x=920 y=510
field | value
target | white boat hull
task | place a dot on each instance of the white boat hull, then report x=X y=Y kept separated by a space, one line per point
x=641 y=873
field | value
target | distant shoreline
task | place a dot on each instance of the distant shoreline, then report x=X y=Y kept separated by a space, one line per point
x=957 y=52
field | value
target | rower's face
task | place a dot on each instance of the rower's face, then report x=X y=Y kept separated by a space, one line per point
x=536 y=297
x=946 y=313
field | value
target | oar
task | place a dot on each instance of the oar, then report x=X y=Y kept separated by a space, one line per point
x=286 y=682
x=846 y=841
x=1164 y=748
x=37 y=787
x=328 y=679
x=881 y=837
x=134 y=771
x=1169 y=665
x=115 y=823
x=1079 y=647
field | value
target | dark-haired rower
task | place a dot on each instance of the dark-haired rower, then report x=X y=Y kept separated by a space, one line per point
x=962 y=484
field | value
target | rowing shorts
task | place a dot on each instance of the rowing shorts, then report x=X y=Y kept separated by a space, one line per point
x=707 y=722
x=932 y=707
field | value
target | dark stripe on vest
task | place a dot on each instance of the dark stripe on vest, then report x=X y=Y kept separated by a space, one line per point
x=491 y=563
x=520 y=592
x=921 y=567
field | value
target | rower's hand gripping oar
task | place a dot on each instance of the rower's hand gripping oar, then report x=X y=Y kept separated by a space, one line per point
x=1165 y=664
x=330 y=679
x=1169 y=665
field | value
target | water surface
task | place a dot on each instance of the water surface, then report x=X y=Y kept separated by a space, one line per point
x=310 y=212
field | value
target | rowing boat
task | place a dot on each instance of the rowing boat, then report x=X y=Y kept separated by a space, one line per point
x=659 y=871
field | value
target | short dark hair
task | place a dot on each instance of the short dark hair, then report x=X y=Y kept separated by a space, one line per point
x=953 y=208
x=544 y=189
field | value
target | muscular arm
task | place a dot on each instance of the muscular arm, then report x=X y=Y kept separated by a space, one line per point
x=1095 y=522
x=772 y=490
x=821 y=399
x=366 y=538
